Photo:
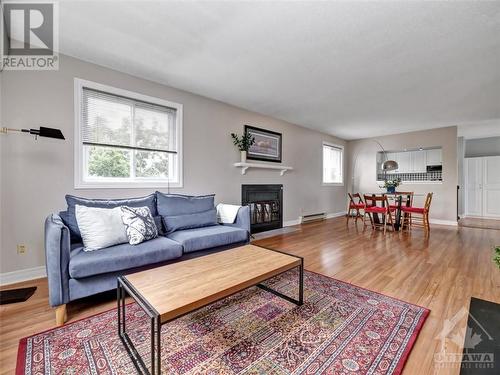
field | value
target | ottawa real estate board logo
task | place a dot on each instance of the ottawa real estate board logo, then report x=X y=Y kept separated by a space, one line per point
x=30 y=35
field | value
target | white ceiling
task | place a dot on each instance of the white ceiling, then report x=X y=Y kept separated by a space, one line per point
x=349 y=69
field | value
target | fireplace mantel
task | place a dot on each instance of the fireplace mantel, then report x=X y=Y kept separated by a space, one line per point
x=245 y=166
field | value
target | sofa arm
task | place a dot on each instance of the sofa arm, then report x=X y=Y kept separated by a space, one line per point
x=242 y=219
x=57 y=248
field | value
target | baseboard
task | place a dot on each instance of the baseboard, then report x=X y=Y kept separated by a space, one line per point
x=444 y=222
x=336 y=214
x=289 y=223
x=22 y=275
x=479 y=217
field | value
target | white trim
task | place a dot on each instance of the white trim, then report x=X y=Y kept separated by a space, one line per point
x=330 y=215
x=290 y=223
x=245 y=166
x=336 y=214
x=22 y=275
x=342 y=162
x=480 y=217
x=444 y=222
x=79 y=183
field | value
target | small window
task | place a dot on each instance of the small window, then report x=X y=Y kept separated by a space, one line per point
x=125 y=139
x=333 y=171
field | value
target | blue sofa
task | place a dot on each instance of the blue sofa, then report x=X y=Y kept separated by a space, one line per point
x=74 y=273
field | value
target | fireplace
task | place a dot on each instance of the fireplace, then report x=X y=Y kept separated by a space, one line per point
x=266 y=206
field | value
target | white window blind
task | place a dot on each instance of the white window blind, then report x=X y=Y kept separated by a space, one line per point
x=126 y=141
x=332 y=164
x=114 y=121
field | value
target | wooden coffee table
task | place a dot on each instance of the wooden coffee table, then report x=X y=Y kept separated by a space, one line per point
x=168 y=292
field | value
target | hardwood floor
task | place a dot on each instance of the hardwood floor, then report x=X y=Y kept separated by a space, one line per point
x=440 y=272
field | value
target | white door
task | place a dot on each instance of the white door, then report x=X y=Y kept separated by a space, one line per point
x=491 y=186
x=473 y=185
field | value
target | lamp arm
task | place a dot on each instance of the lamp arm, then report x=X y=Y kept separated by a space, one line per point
x=31 y=131
x=5 y=130
x=385 y=153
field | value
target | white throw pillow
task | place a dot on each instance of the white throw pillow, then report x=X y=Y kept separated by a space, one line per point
x=100 y=227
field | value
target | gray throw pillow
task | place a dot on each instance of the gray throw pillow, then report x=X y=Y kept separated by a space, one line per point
x=175 y=204
x=190 y=221
x=139 y=224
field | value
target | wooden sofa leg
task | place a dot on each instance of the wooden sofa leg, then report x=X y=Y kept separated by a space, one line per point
x=61 y=315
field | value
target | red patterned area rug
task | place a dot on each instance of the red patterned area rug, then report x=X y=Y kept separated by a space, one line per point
x=341 y=329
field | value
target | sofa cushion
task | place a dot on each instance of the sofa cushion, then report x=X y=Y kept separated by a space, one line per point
x=175 y=204
x=69 y=217
x=121 y=257
x=189 y=221
x=208 y=237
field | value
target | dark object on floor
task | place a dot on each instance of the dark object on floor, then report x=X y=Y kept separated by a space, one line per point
x=481 y=353
x=16 y=295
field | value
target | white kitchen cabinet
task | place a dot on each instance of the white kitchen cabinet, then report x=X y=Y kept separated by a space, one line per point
x=418 y=162
x=434 y=156
x=404 y=162
x=409 y=161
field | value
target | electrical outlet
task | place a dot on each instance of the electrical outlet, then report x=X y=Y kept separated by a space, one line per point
x=21 y=249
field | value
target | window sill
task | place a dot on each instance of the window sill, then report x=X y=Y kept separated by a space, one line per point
x=127 y=185
x=332 y=184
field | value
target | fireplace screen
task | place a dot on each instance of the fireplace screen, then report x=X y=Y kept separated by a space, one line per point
x=264 y=212
x=265 y=202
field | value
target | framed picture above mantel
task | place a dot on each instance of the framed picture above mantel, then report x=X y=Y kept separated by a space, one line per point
x=267 y=146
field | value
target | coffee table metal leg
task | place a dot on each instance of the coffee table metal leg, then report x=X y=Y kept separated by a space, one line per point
x=155 y=324
x=301 y=282
x=300 y=300
x=158 y=344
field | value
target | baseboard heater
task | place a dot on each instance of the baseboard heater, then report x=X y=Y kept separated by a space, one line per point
x=312 y=217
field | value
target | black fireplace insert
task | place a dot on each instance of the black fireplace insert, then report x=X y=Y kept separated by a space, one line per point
x=266 y=206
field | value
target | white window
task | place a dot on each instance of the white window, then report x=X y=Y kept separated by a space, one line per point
x=333 y=170
x=124 y=139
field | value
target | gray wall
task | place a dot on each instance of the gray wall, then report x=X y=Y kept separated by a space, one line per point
x=361 y=167
x=482 y=147
x=37 y=174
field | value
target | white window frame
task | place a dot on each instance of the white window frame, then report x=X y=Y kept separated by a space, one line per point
x=323 y=162
x=80 y=182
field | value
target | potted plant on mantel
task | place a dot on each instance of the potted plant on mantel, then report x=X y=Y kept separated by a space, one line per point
x=391 y=185
x=243 y=142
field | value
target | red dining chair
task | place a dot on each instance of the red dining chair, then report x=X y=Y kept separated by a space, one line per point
x=371 y=209
x=403 y=194
x=353 y=205
x=418 y=215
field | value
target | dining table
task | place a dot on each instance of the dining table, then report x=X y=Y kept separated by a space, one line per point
x=400 y=199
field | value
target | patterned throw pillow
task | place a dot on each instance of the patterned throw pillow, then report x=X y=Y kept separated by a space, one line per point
x=139 y=224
